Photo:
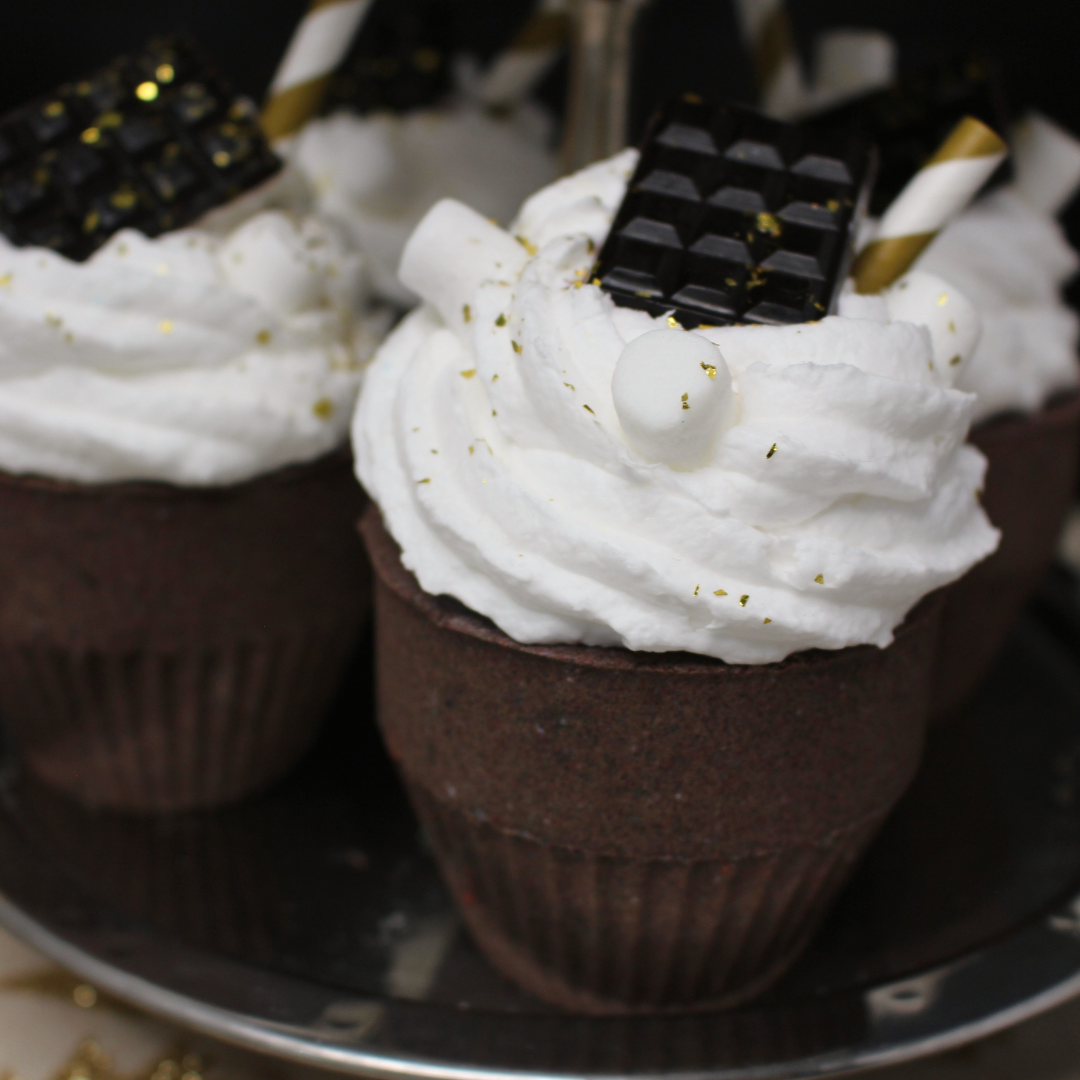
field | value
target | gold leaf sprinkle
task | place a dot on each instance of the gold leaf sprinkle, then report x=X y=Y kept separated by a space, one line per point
x=587 y=409
x=685 y=401
x=494 y=413
x=468 y=374
x=697 y=589
x=495 y=377
x=323 y=408
x=590 y=245
x=833 y=205
x=516 y=347
x=501 y=320
x=53 y=319
x=263 y=337
x=595 y=281
x=54 y=108
x=820 y=579
x=91 y=135
x=5 y=280
x=466 y=313
x=952 y=327
x=709 y=369
x=743 y=599
x=91 y=221
x=768 y=224
x=673 y=322
x=766 y=622
x=954 y=361
x=526 y=244
x=165 y=326
x=147 y=91
x=472 y=449
x=943 y=299
x=165 y=73
x=772 y=450
x=426 y=480
x=720 y=592
x=221 y=158
x=571 y=385
x=434 y=451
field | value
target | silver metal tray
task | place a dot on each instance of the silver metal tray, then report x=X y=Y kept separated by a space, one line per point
x=310 y=923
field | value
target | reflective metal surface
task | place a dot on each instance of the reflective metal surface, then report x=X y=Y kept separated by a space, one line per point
x=310 y=923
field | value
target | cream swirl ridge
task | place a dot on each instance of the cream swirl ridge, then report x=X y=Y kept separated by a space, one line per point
x=837 y=492
x=204 y=356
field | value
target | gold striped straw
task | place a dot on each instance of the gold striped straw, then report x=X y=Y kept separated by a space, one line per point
x=766 y=28
x=535 y=47
x=934 y=195
x=318 y=45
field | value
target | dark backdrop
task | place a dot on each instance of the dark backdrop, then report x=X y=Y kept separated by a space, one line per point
x=683 y=44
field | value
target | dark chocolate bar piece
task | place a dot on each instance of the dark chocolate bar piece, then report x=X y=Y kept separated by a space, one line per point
x=400 y=60
x=909 y=120
x=151 y=142
x=732 y=217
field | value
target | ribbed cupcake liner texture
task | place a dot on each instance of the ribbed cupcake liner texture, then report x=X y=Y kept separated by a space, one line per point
x=167 y=648
x=640 y=832
x=599 y=934
x=1030 y=484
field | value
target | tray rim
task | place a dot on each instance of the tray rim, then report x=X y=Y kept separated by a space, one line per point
x=293 y=1044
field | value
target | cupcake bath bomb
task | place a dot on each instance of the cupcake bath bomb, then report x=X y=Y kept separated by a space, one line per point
x=654 y=607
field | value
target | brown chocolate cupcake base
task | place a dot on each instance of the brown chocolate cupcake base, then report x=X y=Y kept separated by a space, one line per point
x=637 y=831
x=164 y=648
x=1030 y=483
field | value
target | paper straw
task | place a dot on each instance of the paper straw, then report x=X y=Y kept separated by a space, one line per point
x=766 y=29
x=934 y=195
x=515 y=71
x=318 y=45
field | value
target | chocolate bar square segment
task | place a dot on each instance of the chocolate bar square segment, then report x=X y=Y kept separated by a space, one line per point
x=151 y=142
x=733 y=217
x=909 y=120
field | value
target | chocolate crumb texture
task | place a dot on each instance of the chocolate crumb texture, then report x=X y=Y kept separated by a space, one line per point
x=151 y=142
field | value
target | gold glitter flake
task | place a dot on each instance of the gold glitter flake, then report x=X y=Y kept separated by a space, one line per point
x=820 y=579
x=743 y=599
x=468 y=374
x=495 y=377
x=472 y=449
x=110 y=119
x=709 y=369
x=166 y=326
x=772 y=450
x=595 y=281
x=720 y=592
x=952 y=327
x=766 y=622
x=147 y=91
x=5 y=280
x=91 y=135
x=516 y=347
x=686 y=401
x=587 y=409
x=91 y=221
x=570 y=385
x=590 y=246
x=673 y=322
x=767 y=223
x=466 y=313
x=697 y=589
x=832 y=205
x=84 y=996
x=426 y=480
x=263 y=337
x=323 y=408
x=53 y=320
x=526 y=244
x=954 y=361
x=501 y=320
x=124 y=199
x=222 y=159
x=943 y=299
x=165 y=73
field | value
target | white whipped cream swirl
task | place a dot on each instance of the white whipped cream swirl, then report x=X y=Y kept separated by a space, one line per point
x=840 y=493
x=1011 y=261
x=205 y=356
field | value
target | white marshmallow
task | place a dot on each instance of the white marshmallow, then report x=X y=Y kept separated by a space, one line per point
x=954 y=324
x=1047 y=162
x=453 y=251
x=672 y=393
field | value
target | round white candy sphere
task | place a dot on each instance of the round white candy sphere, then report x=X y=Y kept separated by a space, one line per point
x=673 y=396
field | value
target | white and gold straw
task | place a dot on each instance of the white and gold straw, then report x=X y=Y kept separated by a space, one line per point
x=766 y=28
x=934 y=195
x=318 y=45
x=524 y=62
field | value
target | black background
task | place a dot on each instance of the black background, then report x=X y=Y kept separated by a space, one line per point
x=682 y=44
